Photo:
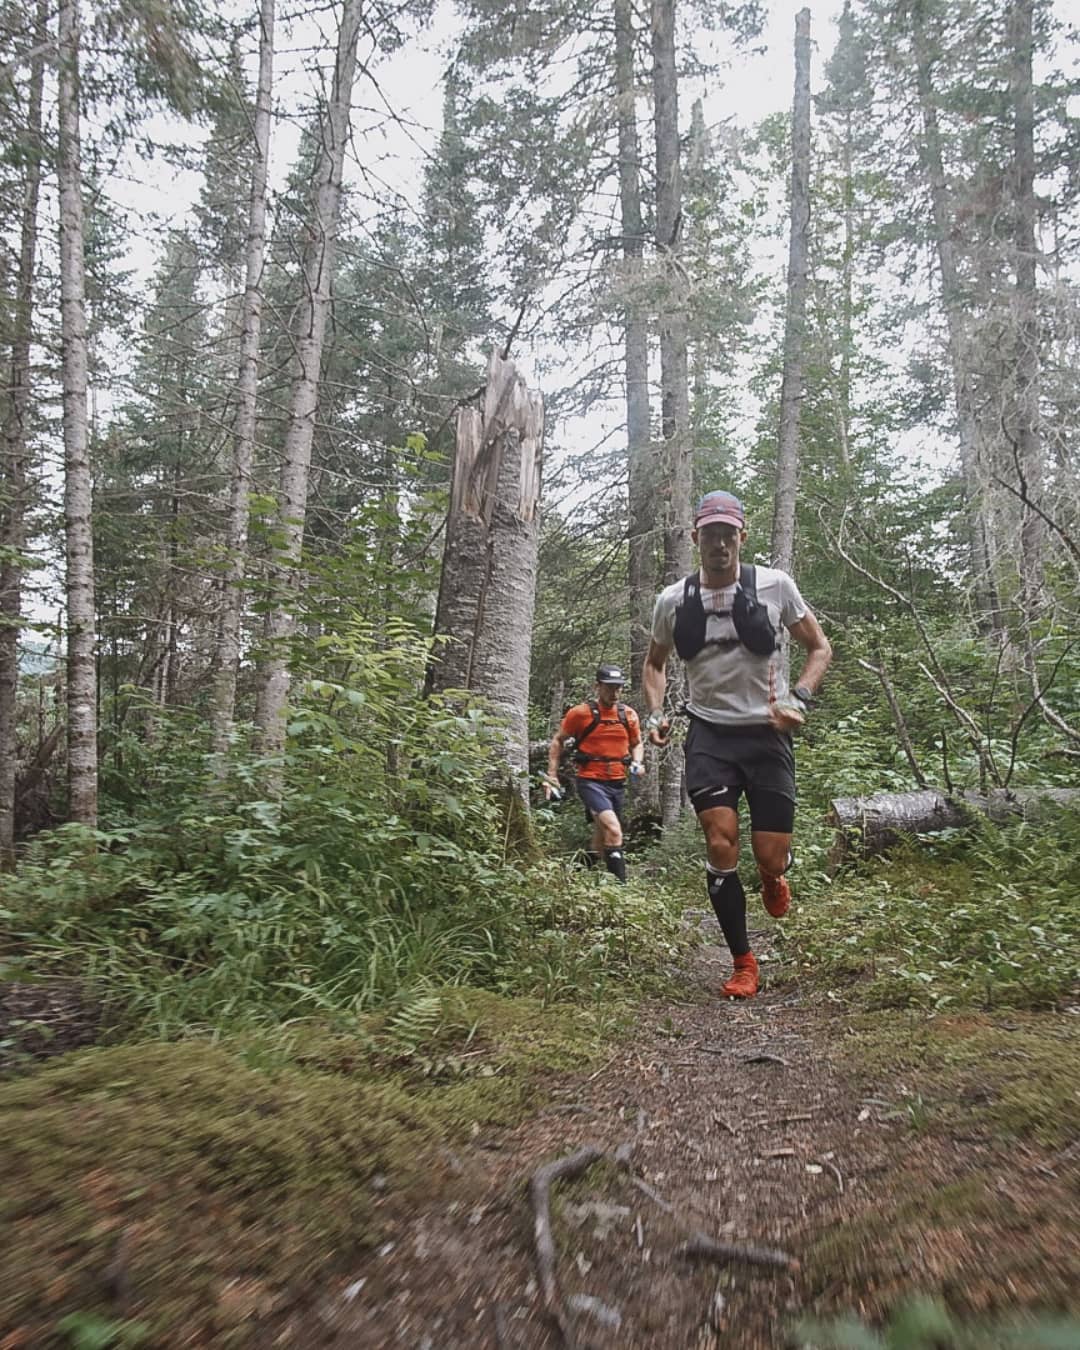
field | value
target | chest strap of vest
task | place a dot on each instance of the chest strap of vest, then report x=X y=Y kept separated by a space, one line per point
x=582 y=757
x=691 y=620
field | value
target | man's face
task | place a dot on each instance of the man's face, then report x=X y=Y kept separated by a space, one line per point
x=607 y=695
x=719 y=546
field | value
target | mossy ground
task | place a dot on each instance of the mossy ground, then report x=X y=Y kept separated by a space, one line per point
x=953 y=968
x=981 y=1214
x=1010 y=1074
x=182 y=1191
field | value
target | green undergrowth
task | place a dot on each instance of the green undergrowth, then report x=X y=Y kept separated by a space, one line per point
x=217 y=1181
x=927 y=1324
x=986 y=919
x=167 y=953
x=954 y=966
x=370 y=862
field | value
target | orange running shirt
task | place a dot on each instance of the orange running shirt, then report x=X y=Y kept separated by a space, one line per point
x=609 y=738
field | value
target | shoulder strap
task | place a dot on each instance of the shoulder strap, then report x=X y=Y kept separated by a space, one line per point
x=594 y=708
x=748 y=579
x=620 y=708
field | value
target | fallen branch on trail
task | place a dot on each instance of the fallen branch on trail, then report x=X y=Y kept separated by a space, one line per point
x=701 y=1247
x=869 y=825
x=573 y=1165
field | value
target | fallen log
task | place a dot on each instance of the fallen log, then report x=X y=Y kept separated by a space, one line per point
x=869 y=825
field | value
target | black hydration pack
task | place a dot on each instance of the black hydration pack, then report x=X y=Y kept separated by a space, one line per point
x=749 y=616
x=581 y=757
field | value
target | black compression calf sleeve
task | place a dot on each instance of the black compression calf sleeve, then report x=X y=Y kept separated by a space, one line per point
x=729 y=904
x=615 y=862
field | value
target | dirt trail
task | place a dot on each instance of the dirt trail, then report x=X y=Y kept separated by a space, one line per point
x=738 y=1121
x=744 y=1121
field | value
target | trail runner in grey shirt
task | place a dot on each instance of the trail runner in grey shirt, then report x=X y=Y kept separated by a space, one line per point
x=742 y=716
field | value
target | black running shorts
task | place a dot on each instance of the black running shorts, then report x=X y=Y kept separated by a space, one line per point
x=723 y=762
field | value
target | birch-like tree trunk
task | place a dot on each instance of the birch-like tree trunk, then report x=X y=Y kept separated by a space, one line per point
x=1026 y=437
x=13 y=478
x=488 y=586
x=674 y=380
x=227 y=653
x=641 y=467
x=987 y=601
x=78 y=482
x=334 y=124
x=791 y=387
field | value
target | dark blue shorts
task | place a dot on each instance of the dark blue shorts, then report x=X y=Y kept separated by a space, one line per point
x=597 y=796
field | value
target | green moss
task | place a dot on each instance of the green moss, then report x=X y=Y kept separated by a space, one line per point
x=207 y=1170
x=870 y=1243
x=223 y=1177
x=1015 y=1074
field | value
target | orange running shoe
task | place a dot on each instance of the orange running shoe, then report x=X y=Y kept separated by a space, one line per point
x=744 y=978
x=776 y=895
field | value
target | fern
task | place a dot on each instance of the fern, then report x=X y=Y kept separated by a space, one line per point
x=415 y=1024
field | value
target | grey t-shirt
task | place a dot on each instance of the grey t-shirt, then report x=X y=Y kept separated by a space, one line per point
x=729 y=685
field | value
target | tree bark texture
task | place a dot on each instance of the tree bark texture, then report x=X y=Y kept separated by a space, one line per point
x=488 y=585
x=677 y=483
x=674 y=379
x=870 y=825
x=1027 y=439
x=227 y=654
x=334 y=124
x=642 y=470
x=987 y=601
x=78 y=483
x=13 y=478
x=791 y=387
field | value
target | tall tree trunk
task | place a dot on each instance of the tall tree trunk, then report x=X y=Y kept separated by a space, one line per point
x=273 y=690
x=987 y=600
x=488 y=586
x=791 y=388
x=1026 y=436
x=78 y=482
x=674 y=384
x=847 y=313
x=227 y=651
x=13 y=484
x=641 y=468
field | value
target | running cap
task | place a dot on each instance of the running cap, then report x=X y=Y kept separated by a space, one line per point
x=719 y=508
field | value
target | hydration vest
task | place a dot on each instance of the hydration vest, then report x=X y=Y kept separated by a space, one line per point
x=581 y=757
x=748 y=615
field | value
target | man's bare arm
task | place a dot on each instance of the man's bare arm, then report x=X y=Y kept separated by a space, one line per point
x=654 y=683
x=555 y=754
x=810 y=636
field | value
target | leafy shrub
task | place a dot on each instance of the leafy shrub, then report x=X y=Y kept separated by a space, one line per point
x=382 y=868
